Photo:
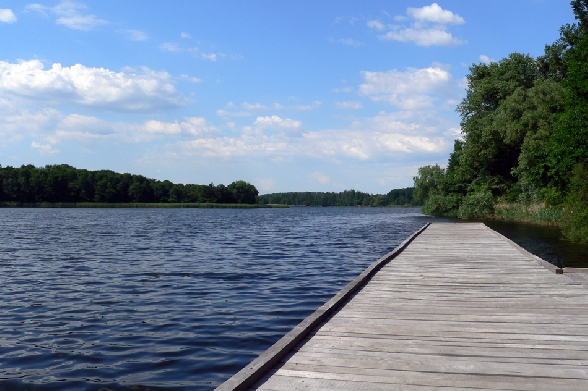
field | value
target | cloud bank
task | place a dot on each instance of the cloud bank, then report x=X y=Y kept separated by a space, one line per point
x=101 y=88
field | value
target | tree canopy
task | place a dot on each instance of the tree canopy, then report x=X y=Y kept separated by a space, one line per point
x=397 y=197
x=524 y=122
x=64 y=183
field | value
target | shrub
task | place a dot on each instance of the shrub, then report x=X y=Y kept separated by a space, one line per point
x=477 y=205
x=445 y=205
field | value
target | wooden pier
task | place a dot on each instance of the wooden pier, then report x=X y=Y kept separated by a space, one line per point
x=456 y=306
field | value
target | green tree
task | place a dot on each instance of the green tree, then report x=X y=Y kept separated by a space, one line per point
x=243 y=192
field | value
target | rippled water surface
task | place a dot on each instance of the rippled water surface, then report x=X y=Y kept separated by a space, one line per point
x=175 y=299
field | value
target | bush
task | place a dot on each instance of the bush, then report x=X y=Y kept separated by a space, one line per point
x=575 y=225
x=477 y=205
x=575 y=221
x=442 y=205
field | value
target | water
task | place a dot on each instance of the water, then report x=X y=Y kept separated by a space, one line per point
x=174 y=299
x=181 y=299
x=545 y=242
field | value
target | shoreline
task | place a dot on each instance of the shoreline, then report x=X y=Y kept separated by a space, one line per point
x=137 y=205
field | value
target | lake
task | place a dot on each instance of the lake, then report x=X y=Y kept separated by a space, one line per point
x=174 y=299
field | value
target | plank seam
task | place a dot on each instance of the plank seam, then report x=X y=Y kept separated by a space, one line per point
x=247 y=376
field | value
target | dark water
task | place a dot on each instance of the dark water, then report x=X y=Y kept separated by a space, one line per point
x=545 y=242
x=178 y=299
x=175 y=299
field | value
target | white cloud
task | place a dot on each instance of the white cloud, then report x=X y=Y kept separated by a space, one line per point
x=185 y=35
x=419 y=31
x=92 y=87
x=225 y=113
x=7 y=16
x=170 y=47
x=412 y=89
x=423 y=37
x=135 y=35
x=376 y=25
x=44 y=149
x=378 y=139
x=190 y=78
x=69 y=14
x=320 y=178
x=485 y=59
x=275 y=122
x=81 y=127
x=434 y=13
x=209 y=56
x=349 y=105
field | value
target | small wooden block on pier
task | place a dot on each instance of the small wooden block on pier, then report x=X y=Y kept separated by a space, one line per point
x=458 y=306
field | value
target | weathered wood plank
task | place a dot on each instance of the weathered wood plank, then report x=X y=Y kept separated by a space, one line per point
x=461 y=307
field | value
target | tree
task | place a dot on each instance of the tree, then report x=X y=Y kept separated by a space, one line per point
x=243 y=192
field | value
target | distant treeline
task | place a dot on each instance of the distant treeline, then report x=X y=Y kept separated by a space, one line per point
x=398 y=197
x=64 y=183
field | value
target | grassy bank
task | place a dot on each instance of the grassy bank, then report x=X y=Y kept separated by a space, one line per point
x=131 y=205
x=572 y=219
x=534 y=214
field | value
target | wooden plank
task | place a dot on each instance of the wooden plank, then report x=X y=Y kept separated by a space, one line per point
x=258 y=367
x=461 y=307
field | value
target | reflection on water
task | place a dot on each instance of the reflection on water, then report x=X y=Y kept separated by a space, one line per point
x=545 y=242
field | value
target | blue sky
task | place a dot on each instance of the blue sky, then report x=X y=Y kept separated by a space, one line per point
x=288 y=95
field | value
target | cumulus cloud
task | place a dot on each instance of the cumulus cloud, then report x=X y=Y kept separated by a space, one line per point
x=190 y=78
x=44 y=149
x=69 y=14
x=434 y=13
x=376 y=139
x=275 y=122
x=412 y=89
x=419 y=31
x=142 y=91
x=135 y=35
x=7 y=16
x=349 y=105
x=82 y=127
x=423 y=37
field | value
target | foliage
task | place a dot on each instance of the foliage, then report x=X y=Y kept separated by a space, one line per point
x=397 y=197
x=525 y=139
x=476 y=205
x=576 y=207
x=64 y=183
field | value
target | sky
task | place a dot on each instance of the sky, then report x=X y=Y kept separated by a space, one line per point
x=291 y=95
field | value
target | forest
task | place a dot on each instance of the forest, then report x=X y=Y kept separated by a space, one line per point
x=524 y=151
x=397 y=197
x=66 y=184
